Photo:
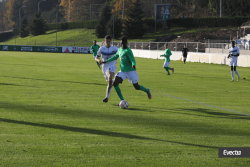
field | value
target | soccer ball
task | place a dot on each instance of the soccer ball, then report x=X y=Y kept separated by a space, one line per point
x=124 y=104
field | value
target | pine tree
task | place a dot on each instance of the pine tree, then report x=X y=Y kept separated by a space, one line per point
x=38 y=25
x=24 y=29
x=134 y=25
x=117 y=28
x=101 y=30
x=232 y=8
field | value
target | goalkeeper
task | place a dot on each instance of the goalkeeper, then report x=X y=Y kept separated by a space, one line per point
x=234 y=52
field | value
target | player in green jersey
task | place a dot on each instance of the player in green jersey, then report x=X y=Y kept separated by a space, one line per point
x=127 y=69
x=167 y=55
x=95 y=48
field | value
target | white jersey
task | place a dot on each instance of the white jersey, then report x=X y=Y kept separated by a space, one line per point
x=233 y=58
x=234 y=51
x=107 y=53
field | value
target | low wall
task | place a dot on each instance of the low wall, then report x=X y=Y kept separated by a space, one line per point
x=215 y=58
x=225 y=51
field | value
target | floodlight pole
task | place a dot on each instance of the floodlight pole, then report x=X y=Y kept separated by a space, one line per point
x=69 y=12
x=123 y=10
x=56 y=25
x=20 y=15
x=220 y=8
x=39 y=3
x=216 y=9
x=155 y=19
x=113 y=29
x=90 y=12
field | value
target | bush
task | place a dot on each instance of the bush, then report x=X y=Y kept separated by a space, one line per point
x=38 y=25
x=24 y=29
x=207 y=22
x=91 y=24
x=100 y=30
x=150 y=23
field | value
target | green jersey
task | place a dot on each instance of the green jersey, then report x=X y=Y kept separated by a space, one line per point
x=95 y=48
x=127 y=59
x=167 y=53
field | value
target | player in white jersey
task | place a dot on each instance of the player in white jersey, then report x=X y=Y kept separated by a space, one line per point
x=108 y=70
x=234 y=52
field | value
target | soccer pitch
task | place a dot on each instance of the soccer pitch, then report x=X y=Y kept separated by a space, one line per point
x=52 y=114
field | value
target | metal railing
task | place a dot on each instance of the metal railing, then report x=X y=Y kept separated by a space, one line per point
x=178 y=46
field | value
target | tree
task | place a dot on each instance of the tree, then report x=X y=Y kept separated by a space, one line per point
x=117 y=29
x=79 y=9
x=118 y=7
x=101 y=29
x=231 y=7
x=24 y=29
x=12 y=11
x=38 y=25
x=134 y=25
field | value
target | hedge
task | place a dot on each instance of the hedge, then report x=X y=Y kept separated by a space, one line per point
x=91 y=24
x=172 y=23
x=207 y=22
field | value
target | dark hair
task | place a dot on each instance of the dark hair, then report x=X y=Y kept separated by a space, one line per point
x=233 y=42
x=108 y=37
x=124 y=39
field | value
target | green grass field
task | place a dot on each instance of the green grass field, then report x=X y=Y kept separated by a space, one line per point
x=85 y=37
x=52 y=114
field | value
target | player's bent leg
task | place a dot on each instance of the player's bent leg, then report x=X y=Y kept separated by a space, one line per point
x=236 y=72
x=232 y=73
x=109 y=87
x=116 y=83
x=136 y=86
x=142 y=88
x=167 y=70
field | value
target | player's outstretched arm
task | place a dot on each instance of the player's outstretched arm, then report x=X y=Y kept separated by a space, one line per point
x=102 y=62
x=97 y=59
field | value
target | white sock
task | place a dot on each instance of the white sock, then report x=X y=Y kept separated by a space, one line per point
x=108 y=91
x=232 y=74
x=236 y=72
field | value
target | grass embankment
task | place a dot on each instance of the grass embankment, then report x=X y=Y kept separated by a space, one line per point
x=85 y=37
x=52 y=114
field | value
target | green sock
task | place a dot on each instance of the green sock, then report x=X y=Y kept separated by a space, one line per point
x=169 y=68
x=119 y=93
x=98 y=64
x=143 y=89
x=166 y=68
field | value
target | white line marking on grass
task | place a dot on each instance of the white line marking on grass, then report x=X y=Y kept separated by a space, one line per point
x=208 y=105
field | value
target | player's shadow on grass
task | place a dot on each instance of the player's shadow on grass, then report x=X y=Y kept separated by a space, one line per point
x=199 y=76
x=20 y=64
x=96 y=132
x=212 y=113
x=160 y=123
x=54 y=80
x=8 y=84
x=135 y=109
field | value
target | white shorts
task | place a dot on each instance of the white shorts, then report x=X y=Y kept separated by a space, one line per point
x=233 y=61
x=107 y=69
x=131 y=75
x=166 y=64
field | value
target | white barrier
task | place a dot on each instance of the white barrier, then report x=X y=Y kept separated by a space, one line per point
x=215 y=58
